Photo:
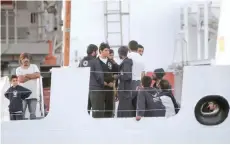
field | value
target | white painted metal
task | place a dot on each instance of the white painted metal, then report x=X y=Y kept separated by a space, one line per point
x=198 y=26
x=4 y=85
x=200 y=29
x=206 y=30
x=223 y=44
x=70 y=123
x=186 y=33
x=41 y=96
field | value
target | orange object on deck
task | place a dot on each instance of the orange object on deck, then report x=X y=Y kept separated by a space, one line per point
x=50 y=59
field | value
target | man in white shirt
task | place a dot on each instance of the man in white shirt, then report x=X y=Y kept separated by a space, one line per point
x=137 y=71
x=28 y=75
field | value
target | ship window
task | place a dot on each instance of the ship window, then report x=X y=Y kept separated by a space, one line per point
x=113 y=103
x=211 y=110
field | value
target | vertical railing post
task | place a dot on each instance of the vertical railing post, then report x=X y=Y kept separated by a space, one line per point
x=15 y=23
x=206 y=31
x=41 y=97
x=186 y=33
x=7 y=27
x=198 y=33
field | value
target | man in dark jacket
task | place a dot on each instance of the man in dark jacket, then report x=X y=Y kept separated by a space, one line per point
x=91 y=54
x=16 y=94
x=148 y=104
x=125 y=105
x=101 y=82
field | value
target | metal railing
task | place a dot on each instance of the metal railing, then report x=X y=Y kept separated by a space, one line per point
x=41 y=96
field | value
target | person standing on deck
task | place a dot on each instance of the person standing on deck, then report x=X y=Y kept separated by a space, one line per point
x=101 y=82
x=91 y=54
x=28 y=74
x=125 y=105
x=16 y=94
x=114 y=89
x=137 y=71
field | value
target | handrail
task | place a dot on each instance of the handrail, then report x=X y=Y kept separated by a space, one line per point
x=41 y=96
x=4 y=111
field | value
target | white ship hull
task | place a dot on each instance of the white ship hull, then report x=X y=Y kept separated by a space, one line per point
x=69 y=122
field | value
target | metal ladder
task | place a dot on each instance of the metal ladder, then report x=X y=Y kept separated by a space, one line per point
x=109 y=15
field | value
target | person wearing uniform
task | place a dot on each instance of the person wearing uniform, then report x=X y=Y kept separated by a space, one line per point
x=148 y=104
x=125 y=106
x=137 y=71
x=101 y=79
x=91 y=54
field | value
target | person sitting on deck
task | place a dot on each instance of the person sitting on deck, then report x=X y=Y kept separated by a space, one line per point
x=148 y=105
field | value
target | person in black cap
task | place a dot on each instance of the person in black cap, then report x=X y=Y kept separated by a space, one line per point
x=91 y=54
x=101 y=81
x=125 y=106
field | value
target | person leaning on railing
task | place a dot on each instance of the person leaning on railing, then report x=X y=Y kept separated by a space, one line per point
x=27 y=75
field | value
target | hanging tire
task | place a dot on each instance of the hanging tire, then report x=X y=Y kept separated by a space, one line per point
x=211 y=110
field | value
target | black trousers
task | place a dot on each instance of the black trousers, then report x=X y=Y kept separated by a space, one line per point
x=109 y=102
x=125 y=106
x=16 y=116
x=135 y=84
x=97 y=99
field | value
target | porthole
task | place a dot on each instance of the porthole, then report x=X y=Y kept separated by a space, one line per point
x=211 y=110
